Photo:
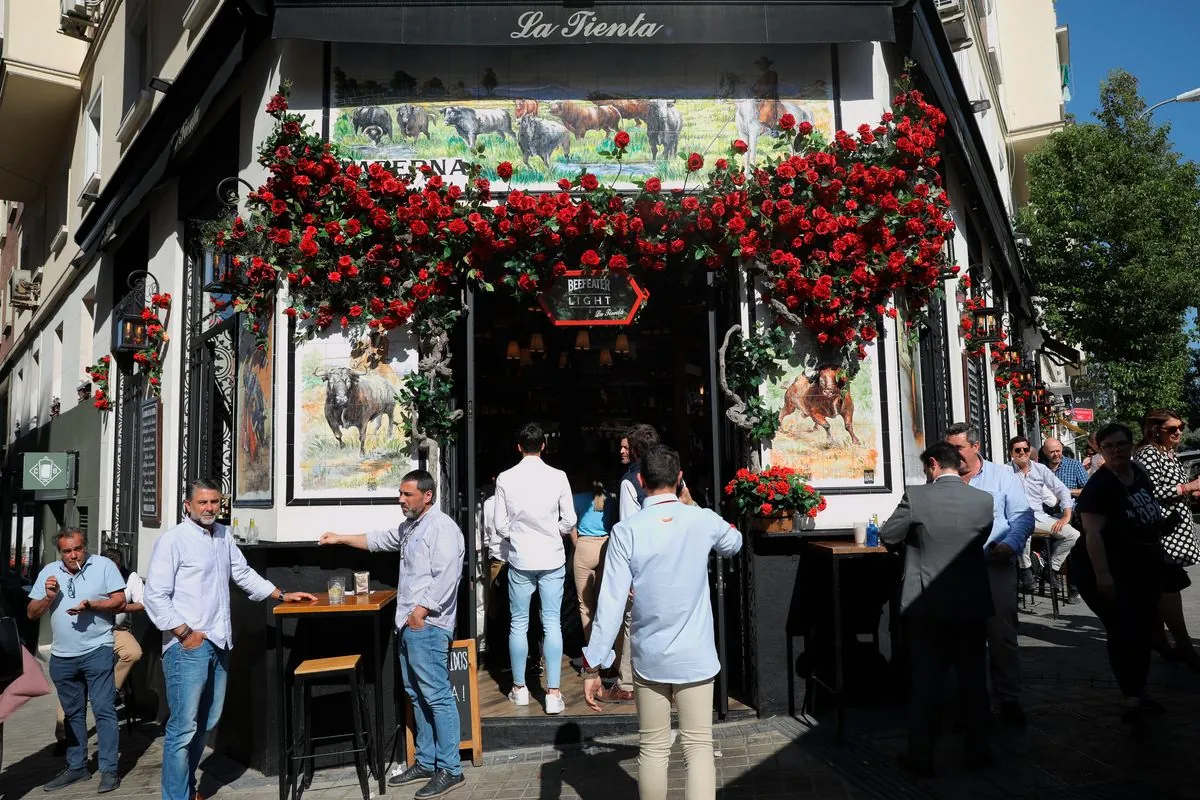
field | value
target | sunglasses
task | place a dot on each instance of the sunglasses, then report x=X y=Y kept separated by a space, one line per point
x=1020 y=449
x=1172 y=428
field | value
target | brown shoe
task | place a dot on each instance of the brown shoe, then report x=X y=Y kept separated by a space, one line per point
x=618 y=696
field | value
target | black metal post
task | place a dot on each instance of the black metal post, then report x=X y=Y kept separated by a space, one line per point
x=714 y=414
x=472 y=478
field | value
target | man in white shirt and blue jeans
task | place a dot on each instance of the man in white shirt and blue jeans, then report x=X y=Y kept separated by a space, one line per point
x=534 y=511
x=82 y=592
x=674 y=652
x=187 y=598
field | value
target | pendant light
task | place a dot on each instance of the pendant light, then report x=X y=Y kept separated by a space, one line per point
x=526 y=357
x=606 y=357
x=622 y=344
x=537 y=344
x=514 y=350
x=583 y=341
x=562 y=360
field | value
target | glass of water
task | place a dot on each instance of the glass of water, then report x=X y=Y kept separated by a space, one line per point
x=337 y=590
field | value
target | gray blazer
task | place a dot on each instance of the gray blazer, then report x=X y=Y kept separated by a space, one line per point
x=945 y=525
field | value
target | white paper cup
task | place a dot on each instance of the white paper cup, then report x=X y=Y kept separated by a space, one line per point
x=860 y=533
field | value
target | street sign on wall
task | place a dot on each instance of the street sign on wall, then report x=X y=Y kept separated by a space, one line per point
x=51 y=476
x=1082 y=415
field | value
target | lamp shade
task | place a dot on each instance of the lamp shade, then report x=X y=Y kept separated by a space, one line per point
x=514 y=350
x=622 y=344
x=562 y=360
x=583 y=341
x=537 y=344
x=606 y=357
x=526 y=357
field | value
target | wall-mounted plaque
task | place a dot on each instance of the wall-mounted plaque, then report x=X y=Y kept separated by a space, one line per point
x=592 y=298
x=150 y=461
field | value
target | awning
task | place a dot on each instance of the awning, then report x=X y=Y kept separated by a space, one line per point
x=467 y=22
x=1059 y=352
x=144 y=167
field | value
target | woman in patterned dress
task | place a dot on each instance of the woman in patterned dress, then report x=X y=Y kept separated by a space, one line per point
x=1162 y=431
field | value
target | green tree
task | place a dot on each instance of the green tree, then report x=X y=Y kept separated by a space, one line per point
x=1113 y=229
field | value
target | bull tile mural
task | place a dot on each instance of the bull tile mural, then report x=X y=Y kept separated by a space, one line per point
x=552 y=110
x=830 y=427
x=255 y=436
x=347 y=427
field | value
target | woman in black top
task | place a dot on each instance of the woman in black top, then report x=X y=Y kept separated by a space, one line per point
x=1120 y=568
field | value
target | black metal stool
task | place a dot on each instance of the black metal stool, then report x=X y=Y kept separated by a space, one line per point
x=316 y=669
x=1045 y=544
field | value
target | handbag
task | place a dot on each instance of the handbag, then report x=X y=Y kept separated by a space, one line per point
x=11 y=664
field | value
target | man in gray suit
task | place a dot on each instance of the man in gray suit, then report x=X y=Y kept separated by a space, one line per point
x=946 y=601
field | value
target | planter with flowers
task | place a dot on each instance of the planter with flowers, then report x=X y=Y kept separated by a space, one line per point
x=775 y=499
x=98 y=372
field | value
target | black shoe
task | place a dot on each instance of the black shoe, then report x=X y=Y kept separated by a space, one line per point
x=1027 y=583
x=109 y=782
x=442 y=783
x=1037 y=566
x=919 y=768
x=411 y=775
x=66 y=778
x=1012 y=713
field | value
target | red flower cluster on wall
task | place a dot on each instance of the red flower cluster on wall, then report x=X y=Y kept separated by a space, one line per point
x=831 y=231
x=774 y=489
x=98 y=372
x=151 y=356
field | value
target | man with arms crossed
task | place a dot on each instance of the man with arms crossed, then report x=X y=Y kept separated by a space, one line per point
x=674 y=654
x=1012 y=522
x=82 y=593
x=431 y=548
x=187 y=598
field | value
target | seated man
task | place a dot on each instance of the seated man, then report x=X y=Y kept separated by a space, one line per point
x=1037 y=479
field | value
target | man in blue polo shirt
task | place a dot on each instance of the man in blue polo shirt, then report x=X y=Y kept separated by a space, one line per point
x=82 y=593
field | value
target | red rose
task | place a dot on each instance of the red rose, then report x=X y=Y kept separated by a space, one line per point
x=653 y=185
x=805 y=128
x=458 y=227
x=590 y=259
x=418 y=228
x=356 y=311
x=787 y=122
x=739 y=146
x=589 y=182
x=695 y=162
x=621 y=140
x=618 y=262
x=335 y=277
x=277 y=103
x=766 y=508
x=505 y=170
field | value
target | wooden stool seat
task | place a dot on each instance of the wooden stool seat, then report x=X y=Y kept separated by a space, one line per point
x=322 y=666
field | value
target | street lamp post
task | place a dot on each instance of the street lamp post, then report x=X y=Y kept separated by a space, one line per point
x=1187 y=97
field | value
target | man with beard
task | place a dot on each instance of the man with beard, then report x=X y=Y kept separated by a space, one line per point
x=187 y=598
x=431 y=547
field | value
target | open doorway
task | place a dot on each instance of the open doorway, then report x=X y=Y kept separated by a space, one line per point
x=586 y=386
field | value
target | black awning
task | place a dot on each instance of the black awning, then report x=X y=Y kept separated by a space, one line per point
x=1064 y=354
x=145 y=163
x=500 y=23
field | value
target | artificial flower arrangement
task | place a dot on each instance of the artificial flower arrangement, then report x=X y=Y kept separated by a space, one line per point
x=780 y=493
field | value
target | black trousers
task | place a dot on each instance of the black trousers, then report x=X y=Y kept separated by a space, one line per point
x=936 y=644
x=1129 y=617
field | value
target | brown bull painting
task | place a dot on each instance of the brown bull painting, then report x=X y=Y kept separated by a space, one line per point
x=822 y=400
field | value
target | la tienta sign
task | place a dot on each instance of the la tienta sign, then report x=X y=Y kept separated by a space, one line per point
x=533 y=25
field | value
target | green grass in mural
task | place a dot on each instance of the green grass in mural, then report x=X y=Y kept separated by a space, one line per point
x=708 y=128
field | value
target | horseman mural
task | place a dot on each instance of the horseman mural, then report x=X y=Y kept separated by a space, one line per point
x=553 y=111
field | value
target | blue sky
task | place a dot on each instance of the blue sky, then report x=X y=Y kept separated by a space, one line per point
x=1156 y=41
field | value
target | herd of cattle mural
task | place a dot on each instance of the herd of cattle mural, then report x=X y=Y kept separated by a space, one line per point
x=553 y=113
x=348 y=424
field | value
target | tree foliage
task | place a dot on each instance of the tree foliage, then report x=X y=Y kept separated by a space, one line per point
x=1113 y=228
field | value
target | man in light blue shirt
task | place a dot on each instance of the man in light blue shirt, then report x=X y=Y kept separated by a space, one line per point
x=1012 y=522
x=82 y=593
x=431 y=547
x=1040 y=483
x=187 y=598
x=674 y=655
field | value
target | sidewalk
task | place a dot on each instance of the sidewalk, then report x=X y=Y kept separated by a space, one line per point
x=1074 y=747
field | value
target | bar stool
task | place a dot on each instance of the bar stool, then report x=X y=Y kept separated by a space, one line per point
x=1044 y=542
x=318 y=669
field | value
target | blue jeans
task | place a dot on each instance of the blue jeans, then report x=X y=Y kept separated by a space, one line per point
x=549 y=584
x=425 y=668
x=195 y=681
x=77 y=679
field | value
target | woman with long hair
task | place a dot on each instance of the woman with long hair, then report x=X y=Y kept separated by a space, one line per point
x=1162 y=431
x=1120 y=567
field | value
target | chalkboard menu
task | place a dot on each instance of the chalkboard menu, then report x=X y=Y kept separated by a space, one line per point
x=464 y=682
x=592 y=298
x=150 y=460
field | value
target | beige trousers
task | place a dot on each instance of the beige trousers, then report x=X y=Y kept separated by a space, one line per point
x=128 y=653
x=694 y=702
x=588 y=567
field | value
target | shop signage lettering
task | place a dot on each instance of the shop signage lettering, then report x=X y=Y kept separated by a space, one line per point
x=440 y=166
x=579 y=298
x=533 y=25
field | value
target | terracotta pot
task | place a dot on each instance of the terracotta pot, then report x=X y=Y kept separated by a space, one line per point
x=778 y=522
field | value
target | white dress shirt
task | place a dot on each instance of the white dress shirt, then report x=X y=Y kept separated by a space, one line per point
x=496 y=546
x=630 y=504
x=534 y=510
x=1040 y=481
x=188 y=582
x=671 y=628
x=134 y=591
x=431 y=549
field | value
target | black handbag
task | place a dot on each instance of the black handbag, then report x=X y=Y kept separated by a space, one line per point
x=11 y=663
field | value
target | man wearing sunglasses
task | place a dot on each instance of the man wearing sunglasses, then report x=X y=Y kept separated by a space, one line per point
x=1038 y=482
x=82 y=593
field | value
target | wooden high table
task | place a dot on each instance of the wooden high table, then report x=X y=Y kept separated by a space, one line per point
x=373 y=604
x=837 y=550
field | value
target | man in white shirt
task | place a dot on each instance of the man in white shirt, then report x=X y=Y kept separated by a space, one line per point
x=674 y=652
x=1038 y=480
x=534 y=511
x=187 y=598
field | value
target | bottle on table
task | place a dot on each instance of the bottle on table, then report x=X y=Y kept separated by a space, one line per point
x=873 y=531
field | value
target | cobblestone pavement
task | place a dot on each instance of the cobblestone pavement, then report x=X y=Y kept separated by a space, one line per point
x=1074 y=746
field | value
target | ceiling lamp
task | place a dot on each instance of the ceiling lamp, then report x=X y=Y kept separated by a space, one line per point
x=606 y=357
x=514 y=350
x=526 y=357
x=562 y=360
x=537 y=344
x=583 y=341
x=622 y=344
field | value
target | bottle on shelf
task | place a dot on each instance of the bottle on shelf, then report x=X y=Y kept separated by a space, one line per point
x=252 y=535
x=872 y=531
x=235 y=530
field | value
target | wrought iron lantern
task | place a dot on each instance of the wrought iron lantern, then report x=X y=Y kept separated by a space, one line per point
x=217 y=265
x=987 y=325
x=130 y=332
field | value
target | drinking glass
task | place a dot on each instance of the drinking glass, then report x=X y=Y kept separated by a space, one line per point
x=337 y=590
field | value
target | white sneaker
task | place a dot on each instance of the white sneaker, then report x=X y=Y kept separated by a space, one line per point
x=519 y=695
x=555 y=704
